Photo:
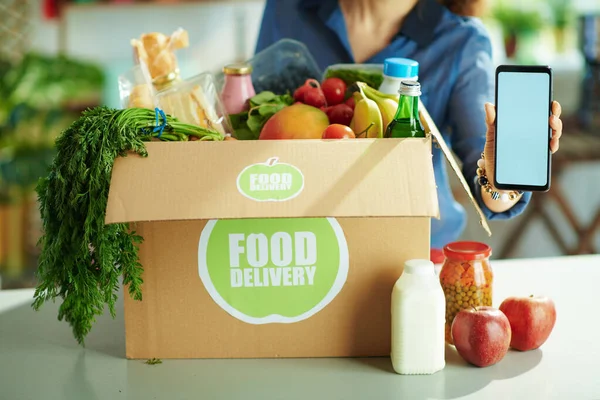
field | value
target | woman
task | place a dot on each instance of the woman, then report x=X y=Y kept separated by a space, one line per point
x=456 y=74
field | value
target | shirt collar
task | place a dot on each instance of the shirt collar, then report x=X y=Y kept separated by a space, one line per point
x=420 y=23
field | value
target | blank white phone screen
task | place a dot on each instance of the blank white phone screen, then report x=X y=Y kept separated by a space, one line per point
x=522 y=137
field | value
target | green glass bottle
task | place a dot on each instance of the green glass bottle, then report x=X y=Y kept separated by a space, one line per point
x=406 y=122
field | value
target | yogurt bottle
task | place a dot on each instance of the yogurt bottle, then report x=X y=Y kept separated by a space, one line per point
x=395 y=70
x=238 y=88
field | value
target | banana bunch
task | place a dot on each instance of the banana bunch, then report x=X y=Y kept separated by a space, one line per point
x=373 y=111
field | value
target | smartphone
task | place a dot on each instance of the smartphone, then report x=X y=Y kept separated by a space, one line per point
x=523 y=133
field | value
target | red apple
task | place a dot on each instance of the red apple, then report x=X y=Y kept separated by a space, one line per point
x=481 y=335
x=340 y=114
x=531 y=320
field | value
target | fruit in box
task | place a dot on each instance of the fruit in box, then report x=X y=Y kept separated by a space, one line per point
x=315 y=98
x=350 y=102
x=387 y=104
x=311 y=94
x=338 y=131
x=334 y=90
x=340 y=114
x=297 y=121
x=531 y=320
x=366 y=121
x=481 y=335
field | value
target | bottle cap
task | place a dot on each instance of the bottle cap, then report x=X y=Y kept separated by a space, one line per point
x=410 y=88
x=237 y=69
x=467 y=251
x=418 y=266
x=400 y=68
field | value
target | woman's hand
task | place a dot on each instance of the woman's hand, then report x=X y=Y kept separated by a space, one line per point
x=490 y=119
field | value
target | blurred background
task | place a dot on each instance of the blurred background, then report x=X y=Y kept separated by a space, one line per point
x=59 y=57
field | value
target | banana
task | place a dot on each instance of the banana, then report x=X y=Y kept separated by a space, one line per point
x=367 y=117
x=387 y=103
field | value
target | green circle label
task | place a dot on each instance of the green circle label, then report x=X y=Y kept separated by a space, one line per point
x=280 y=270
x=270 y=181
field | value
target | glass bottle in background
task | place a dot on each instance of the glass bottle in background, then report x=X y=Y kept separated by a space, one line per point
x=406 y=122
x=238 y=88
x=418 y=307
x=395 y=70
x=466 y=278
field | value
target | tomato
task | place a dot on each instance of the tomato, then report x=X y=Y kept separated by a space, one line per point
x=334 y=90
x=338 y=131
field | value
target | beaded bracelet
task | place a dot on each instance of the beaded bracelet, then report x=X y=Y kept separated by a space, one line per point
x=487 y=186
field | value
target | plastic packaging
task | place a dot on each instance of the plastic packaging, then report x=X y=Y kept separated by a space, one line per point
x=156 y=68
x=135 y=89
x=155 y=82
x=418 y=307
x=395 y=70
x=156 y=52
x=196 y=101
x=466 y=278
x=282 y=67
x=371 y=74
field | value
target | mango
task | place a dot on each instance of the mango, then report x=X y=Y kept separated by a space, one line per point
x=297 y=121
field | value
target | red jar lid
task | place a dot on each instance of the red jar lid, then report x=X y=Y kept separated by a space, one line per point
x=436 y=256
x=467 y=251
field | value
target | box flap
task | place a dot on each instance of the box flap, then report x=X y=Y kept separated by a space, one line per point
x=271 y=179
x=430 y=127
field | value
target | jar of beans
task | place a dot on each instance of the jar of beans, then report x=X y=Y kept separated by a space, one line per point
x=466 y=277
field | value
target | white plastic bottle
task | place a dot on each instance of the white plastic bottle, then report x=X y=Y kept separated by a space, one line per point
x=418 y=317
x=395 y=70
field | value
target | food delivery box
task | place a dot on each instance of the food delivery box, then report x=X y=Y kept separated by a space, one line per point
x=283 y=248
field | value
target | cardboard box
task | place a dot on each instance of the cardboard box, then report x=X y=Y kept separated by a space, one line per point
x=272 y=248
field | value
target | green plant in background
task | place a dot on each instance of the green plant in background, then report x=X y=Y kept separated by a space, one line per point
x=562 y=18
x=50 y=82
x=35 y=98
x=39 y=98
x=26 y=151
x=27 y=144
x=516 y=23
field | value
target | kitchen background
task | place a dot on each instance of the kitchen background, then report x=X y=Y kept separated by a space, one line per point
x=58 y=57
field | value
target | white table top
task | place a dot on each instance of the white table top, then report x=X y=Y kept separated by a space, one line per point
x=40 y=359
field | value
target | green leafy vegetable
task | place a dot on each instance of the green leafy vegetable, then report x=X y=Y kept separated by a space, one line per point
x=154 y=361
x=82 y=258
x=248 y=124
x=42 y=81
x=351 y=76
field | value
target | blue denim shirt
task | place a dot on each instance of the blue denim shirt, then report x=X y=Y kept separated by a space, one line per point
x=455 y=70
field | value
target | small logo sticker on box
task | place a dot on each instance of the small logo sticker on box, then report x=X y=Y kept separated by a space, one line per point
x=280 y=270
x=270 y=181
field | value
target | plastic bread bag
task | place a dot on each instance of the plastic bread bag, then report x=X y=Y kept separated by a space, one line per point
x=136 y=89
x=196 y=101
x=156 y=51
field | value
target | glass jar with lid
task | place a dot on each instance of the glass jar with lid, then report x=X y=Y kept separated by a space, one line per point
x=238 y=87
x=466 y=277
